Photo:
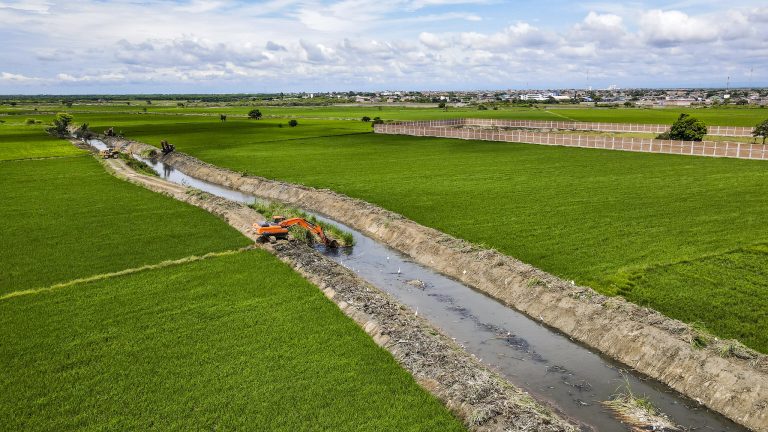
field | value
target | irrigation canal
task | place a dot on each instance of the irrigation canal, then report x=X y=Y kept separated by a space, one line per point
x=540 y=360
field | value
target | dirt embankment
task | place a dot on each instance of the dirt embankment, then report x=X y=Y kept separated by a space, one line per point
x=483 y=399
x=735 y=385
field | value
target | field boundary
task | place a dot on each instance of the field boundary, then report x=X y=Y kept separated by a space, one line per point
x=124 y=272
x=456 y=129
x=644 y=339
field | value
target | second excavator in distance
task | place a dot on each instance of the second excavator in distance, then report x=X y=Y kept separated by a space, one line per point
x=278 y=229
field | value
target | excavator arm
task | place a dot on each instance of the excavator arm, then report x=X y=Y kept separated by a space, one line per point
x=315 y=229
x=279 y=229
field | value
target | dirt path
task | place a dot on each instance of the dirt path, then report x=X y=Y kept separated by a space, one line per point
x=483 y=399
x=734 y=384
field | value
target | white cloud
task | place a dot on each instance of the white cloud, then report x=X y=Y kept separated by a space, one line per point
x=431 y=40
x=357 y=43
x=520 y=34
x=669 y=28
x=16 y=78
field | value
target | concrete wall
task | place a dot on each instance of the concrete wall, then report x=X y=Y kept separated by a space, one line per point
x=438 y=128
x=735 y=131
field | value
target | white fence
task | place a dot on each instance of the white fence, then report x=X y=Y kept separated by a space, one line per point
x=733 y=131
x=443 y=129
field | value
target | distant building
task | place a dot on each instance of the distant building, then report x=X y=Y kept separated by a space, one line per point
x=535 y=97
x=677 y=102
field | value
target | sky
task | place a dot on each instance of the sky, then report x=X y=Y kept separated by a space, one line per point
x=216 y=46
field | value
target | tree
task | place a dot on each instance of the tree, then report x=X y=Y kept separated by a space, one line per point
x=377 y=120
x=60 y=124
x=254 y=114
x=687 y=128
x=441 y=105
x=366 y=119
x=83 y=132
x=223 y=117
x=761 y=130
x=293 y=123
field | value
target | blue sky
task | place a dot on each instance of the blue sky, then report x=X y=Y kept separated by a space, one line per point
x=204 y=46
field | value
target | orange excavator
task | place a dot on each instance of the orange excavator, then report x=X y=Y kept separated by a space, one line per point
x=278 y=229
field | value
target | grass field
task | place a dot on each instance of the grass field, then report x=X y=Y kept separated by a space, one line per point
x=236 y=341
x=731 y=116
x=598 y=217
x=21 y=141
x=67 y=218
x=239 y=342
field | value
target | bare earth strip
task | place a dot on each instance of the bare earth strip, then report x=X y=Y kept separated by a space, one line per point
x=655 y=345
x=483 y=399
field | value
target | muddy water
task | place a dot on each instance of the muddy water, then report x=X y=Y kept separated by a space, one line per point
x=544 y=362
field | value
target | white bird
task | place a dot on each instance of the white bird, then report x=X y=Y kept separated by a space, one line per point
x=398 y=270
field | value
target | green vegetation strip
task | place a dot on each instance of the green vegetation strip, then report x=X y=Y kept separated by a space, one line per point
x=720 y=116
x=268 y=210
x=137 y=165
x=235 y=342
x=65 y=219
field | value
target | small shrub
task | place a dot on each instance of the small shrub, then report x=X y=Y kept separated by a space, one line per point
x=83 y=132
x=366 y=119
x=761 y=130
x=727 y=350
x=254 y=114
x=137 y=165
x=534 y=281
x=688 y=128
x=60 y=124
x=30 y=121
x=293 y=123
